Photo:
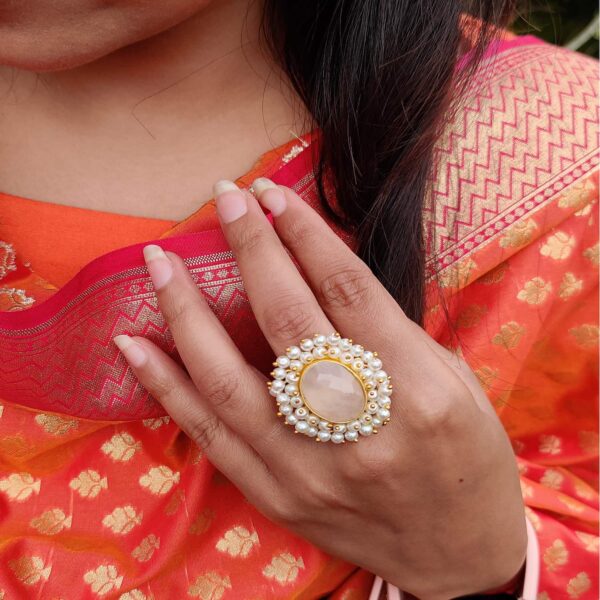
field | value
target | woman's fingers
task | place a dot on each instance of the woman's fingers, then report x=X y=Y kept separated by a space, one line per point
x=170 y=385
x=282 y=302
x=235 y=391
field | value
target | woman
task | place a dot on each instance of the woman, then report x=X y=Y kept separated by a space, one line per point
x=461 y=166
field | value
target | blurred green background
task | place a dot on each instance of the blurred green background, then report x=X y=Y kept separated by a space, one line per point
x=563 y=22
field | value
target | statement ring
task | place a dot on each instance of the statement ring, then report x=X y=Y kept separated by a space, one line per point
x=331 y=389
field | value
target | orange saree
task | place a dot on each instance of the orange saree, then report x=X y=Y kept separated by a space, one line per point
x=102 y=496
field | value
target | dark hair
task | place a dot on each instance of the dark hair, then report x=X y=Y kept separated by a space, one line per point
x=379 y=78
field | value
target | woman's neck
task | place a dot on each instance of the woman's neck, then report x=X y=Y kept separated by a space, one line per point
x=147 y=129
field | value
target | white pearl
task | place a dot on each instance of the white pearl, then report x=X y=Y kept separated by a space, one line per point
x=337 y=438
x=366 y=373
x=345 y=345
x=296 y=401
x=376 y=422
x=313 y=421
x=320 y=340
x=367 y=356
x=366 y=430
x=383 y=414
x=307 y=345
x=283 y=398
x=384 y=390
x=347 y=358
x=381 y=376
x=292 y=377
x=306 y=357
x=286 y=409
x=296 y=365
x=324 y=425
x=372 y=408
x=354 y=426
x=291 y=419
x=294 y=353
x=339 y=428
x=384 y=402
x=312 y=432
x=334 y=352
x=375 y=364
x=291 y=389
x=358 y=365
x=372 y=394
x=279 y=373
x=324 y=436
x=351 y=435
x=357 y=350
x=333 y=339
x=319 y=352
x=302 y=426
x=283 y=361
x=301 y=413
x=277 y=387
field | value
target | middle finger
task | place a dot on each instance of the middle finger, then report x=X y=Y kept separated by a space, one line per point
x=284 y=305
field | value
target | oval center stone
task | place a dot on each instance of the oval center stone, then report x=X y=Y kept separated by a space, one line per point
x=332 y=391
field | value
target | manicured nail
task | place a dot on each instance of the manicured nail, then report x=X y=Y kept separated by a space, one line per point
x=159 y=265
x=231 y=201
x=270 y=196
x=133 y=352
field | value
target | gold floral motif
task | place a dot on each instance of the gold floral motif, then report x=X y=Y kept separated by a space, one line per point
x=89 y=483
x=535 y=291
x=159 y=480
x=569 y=286
x=558 y=246
x=202 y=522
x=556 y=555
x=494 y=276
x=550 y=444
x=588 y=441
x=526 y=490
x=471 y=316
x=210 y=586
x=29 y=570
x=122 y=519
x=121 y=447
x=486 y=376
x=579 y=585
x=552 y=479
x=7 y=259
x=51 y=522
x=585 y=335
x=533 y=518
x=20 y=486
x=1 y=412
x=12 y=299
x=174 y=503
x=571 y=504
x=519 y=234
x=593 y=254
x=284 y=568
x=103 y=579
x=457 y=275
x=146 y=549
x=510 y=335
x=578 y=195
x=589 y=540
x=237 y=541
x=156 y=423
x=543 y=596
x=134 y=595
x=55 y=424
x=583 y=490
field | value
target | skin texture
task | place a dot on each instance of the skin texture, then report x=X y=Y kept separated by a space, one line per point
x=437 y=489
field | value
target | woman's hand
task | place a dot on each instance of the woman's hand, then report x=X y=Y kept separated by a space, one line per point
x=432 y=503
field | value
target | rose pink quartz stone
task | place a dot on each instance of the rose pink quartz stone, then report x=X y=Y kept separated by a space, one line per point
x=332 y=391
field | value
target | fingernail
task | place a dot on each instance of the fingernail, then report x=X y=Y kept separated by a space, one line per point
x=133 y=352
x=231 y=201
x=270 y=196
x=159 y=265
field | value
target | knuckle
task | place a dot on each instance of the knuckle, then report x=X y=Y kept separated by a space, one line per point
x=439 y=418
x=284 y=512
x=250 y=238
x=177 y=309
x=220 y=386
x=373 y=463
x=289 y=320
x=299 y=233
x=203 y=431
x=346 y=288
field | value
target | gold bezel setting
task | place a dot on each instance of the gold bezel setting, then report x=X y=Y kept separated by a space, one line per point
x=365 y=366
